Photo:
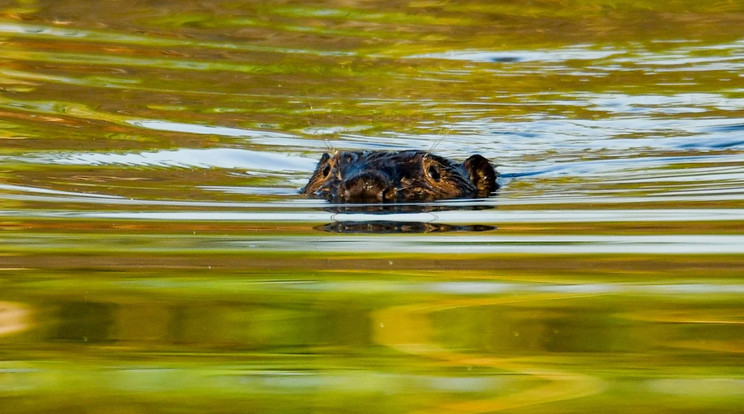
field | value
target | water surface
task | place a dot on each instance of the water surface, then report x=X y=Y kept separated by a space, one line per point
x=156 y=255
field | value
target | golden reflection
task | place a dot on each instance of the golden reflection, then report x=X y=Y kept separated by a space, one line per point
x=697 y=317
x=408 y=329
x=14 y=318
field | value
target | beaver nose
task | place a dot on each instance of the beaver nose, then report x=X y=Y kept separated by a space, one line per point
x=367 y=187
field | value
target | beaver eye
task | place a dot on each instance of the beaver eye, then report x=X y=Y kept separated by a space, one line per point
x=433 y=173
x=326 y=171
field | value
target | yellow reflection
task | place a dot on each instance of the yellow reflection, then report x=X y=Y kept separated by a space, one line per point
x=14 y=318
x=408 y=329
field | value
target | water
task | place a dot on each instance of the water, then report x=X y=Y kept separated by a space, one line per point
x=156 y=255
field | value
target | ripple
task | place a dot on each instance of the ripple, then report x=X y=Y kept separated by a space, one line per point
x=111 y=37
x=229 y=158
x=464 y=243
x=573 y=138
x=36 y=190
x=689 y=57
x=205 y=129
x=251 y=190
x=660 y=104
x=692 y=244
x=576 y=52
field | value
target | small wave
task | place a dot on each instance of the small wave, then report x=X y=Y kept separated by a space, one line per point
x=38 y=31
x=578 y=52
x=229 y=158
x=205 y=129
x=37 y=190
x=283 y=191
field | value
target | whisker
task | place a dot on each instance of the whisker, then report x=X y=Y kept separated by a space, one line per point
x=326 y=142
x=442 y=137
x=439 y=141
x=328 y=145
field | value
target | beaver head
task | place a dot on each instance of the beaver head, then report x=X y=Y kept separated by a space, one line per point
x=400 y=176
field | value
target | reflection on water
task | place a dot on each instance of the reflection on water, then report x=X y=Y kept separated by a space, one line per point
x=157 y=255
x=14 y=318
x=383 y=226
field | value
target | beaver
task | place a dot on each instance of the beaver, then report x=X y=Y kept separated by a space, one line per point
x=399 y=177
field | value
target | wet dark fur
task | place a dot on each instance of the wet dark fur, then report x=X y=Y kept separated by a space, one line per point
x=400 y=176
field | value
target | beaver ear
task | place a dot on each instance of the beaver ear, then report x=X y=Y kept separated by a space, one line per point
x=324 y=158
x=482 y=175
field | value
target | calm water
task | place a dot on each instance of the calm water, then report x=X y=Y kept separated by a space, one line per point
x=155 y=255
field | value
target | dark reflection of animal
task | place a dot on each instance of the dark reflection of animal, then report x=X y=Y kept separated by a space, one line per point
x=399 y=177
x=383 y=227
